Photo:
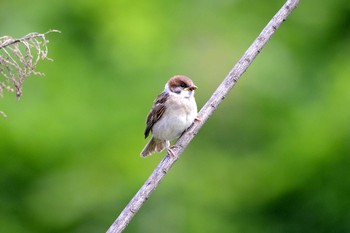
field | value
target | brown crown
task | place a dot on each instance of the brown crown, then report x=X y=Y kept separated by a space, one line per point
x=179 y=80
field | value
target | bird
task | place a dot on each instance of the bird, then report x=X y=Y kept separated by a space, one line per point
x=173 y=111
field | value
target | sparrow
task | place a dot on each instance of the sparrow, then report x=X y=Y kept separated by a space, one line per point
x=172 y=113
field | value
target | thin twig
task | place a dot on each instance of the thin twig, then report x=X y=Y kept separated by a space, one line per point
x=167 y=162
x=11 y=41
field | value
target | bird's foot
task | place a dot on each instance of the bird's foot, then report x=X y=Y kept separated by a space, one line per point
x=171 y=152
x=198 y=119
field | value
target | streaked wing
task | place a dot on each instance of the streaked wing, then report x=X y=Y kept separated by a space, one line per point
x=156 y=112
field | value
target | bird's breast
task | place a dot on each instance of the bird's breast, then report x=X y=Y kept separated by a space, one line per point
x=178 y=116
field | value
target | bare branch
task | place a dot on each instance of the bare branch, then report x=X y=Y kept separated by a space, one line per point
x=161 y=170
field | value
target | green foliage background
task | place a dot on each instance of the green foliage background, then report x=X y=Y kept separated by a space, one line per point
x=274 y=157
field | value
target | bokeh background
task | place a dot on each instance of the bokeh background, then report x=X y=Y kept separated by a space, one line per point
x=274 y=157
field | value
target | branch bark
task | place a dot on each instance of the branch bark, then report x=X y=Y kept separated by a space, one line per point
x=228 y=83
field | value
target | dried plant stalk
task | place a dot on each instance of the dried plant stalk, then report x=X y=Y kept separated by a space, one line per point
x=19 y=58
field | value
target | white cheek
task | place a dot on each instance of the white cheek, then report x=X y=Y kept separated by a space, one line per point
x=186 y=94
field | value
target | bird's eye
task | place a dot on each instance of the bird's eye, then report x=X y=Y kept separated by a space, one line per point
x=183 y=85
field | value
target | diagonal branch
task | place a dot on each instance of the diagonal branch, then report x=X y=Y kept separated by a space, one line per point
x=161 y=170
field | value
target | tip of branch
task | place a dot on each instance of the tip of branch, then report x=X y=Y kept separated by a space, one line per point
x=53 y=30
x=3 y=114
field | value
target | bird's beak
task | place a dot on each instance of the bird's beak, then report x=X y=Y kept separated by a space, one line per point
x=191 y=88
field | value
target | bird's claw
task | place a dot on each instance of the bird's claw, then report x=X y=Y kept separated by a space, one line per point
x=171 y=152
x=197 y=119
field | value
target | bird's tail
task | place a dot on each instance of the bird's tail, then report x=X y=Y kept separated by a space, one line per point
x=154 y=145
